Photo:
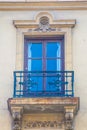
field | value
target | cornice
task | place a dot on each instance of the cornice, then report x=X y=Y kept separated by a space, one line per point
x=46 y=5
x=55 y=24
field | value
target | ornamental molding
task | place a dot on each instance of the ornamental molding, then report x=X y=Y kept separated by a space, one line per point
x=32 y=24
x=43 y=5
x=43 y=22
x=33 y=101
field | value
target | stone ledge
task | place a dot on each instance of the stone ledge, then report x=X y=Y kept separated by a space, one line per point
x=59 y=102
x=64 y=23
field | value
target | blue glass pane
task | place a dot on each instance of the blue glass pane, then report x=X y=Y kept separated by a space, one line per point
x=54 y=65
x=53 y=49
x=35 y=50
x=51 y=65
x=34 y=65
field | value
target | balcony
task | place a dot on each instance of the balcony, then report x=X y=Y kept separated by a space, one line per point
x=43 y=100
x=43 y=84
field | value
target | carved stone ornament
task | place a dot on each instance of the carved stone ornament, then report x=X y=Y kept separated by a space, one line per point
x=44 y=25
x=17 y=119
x=42 y=124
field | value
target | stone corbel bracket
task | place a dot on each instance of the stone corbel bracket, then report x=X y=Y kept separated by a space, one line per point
x=17 y=113
x=69 y=117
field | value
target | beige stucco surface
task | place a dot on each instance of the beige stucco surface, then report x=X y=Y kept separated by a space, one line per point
x=35 y=0
x=8 y=60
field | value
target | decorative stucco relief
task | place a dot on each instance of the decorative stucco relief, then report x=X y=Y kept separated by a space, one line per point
x=43 y=124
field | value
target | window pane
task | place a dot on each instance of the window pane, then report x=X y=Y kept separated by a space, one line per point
x=54 y=65
x=51 y=65
x=53 y=49
x=34 y=65
x=35 y=50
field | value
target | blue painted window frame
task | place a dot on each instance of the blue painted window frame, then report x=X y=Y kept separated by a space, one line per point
x=44 y=42
x=44 y=58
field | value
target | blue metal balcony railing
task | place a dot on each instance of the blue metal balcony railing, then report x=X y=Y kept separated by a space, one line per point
x=43 y=84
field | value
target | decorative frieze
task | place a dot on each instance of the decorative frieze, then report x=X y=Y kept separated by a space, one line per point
x=43 y=120
x=40 y=124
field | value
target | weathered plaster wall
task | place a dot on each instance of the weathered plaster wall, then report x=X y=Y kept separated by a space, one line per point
x=8 y=56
